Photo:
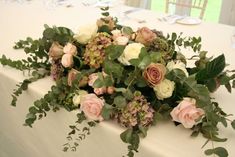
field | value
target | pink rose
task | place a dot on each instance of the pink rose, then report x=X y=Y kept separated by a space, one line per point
x=67 y=60
x=154 y=73
x=92 y=106
x=187 y=113
x=70 y=49
x=92 y=78
x=145 y=36
x=56 y=51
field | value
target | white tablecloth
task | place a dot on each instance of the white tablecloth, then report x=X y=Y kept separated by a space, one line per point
x=18 y=21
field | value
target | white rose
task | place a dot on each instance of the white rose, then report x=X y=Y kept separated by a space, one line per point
x=85 y=33
x=116 y=33
x=131 y=51
x=122 y=40
x=178 y=65
x=77 y=97
x=164 y=89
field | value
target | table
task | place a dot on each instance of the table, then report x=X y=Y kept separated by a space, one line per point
x=47 y=136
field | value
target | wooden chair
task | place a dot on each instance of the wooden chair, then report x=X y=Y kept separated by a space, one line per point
x=190 y=4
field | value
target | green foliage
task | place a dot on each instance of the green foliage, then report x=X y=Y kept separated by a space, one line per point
x=212 y=69
x=131 y=137
x=233 y=124
x=220 y=151
x=77 y=134
x=106 y=112
x=127 y=30
x=114 y=51
x=59 y=96
x=60 y=34
x=22 y=86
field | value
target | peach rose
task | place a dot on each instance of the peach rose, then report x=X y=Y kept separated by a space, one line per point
x=72 y=76
x=92 y=106
x=187 y=113
x=145 y=36
x=154 y=73
x=67 y=60
x=70 y=49
x=56 y=51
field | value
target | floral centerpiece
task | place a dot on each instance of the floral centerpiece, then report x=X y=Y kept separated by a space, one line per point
x=136 y=78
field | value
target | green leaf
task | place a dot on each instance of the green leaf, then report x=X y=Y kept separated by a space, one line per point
x=176 y=75
x=211 y=85
x=143 y=130
x=113 y=68
x=107 y=110
x=126 y=136
x=135 y=62
x=114 y=51
x=127 y=30
x=99 y=82
x=33 y=110
x=212 y=69
x=228 y=87
x=144 y=62
x=155 y=57
x=120 y=101
x=105 y=13
x=220 y=151
x=49 y=33
x=224 y=79
x=233 y=124
x=157 y=117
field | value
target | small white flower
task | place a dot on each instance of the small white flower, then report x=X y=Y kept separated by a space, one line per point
x=116 y=33
x=85 y=33
x=164 y=89
x=77 y=97
x=131 y=51
x=177 y=65
x=122 y=40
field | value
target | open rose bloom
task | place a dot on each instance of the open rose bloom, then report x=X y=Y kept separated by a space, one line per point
x=187 y=113
x=92 y=106
x=154 y=73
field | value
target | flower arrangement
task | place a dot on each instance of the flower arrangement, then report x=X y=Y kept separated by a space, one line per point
x=136 y=78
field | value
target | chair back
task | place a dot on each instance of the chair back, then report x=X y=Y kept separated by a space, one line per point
x=196 y=4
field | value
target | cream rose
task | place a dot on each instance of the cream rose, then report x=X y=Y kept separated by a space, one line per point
x=70 y=49
x=92 y=106
x=164 y=89
x=86 y=33
x=67 y=60
x=77 y=97
x=177 y=65
x=122 y=40
x=187 y=113
x=131 y=51
x=116 y=33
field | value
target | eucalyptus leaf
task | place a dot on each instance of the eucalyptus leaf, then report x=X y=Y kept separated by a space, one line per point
x=220 y=151
x=126 y=136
